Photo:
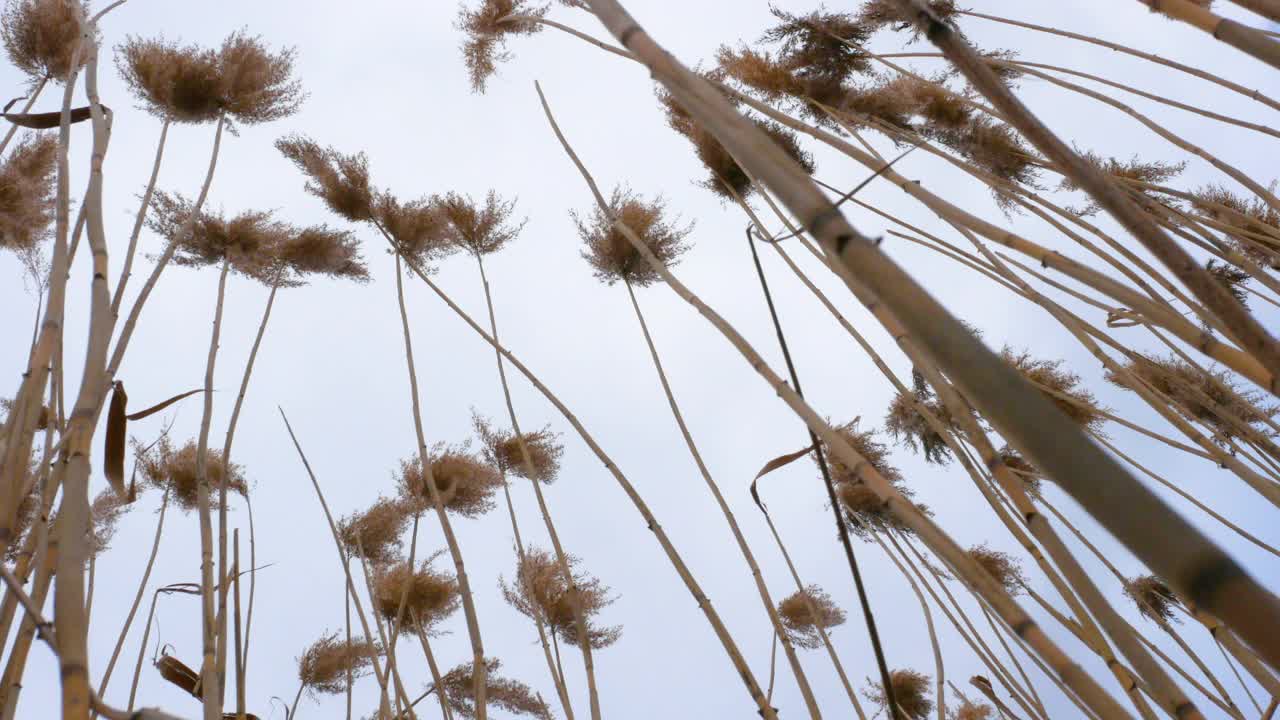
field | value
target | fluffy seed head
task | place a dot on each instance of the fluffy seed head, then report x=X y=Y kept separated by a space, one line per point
x=880 y=14
x=175 y=471
x=480 y=228
x=319 y=250
x=1231 y=278
x=178 y=82
x=820 y=44
x=970 y=710
x=910 y=690
x=1026 y=472
x=1074 y=401
x=465 y=483
x=1205 y=396
x=1002 y=566
x=866 y=513
x=323 y=667
x=40 y=36
x=541 y=591
x=376 y=531
x=432 y=595
x=805 y=611
x=511 y=695
x=908 y=426
x=105 y=510
x=418 y=228
x=994 y=147
x=27 y=194
x=247 y=241
x=502 y=449
x=612 y=256
x=1154 y=599
x=1247 y=214
x=759 y=71
x=341 y=181
x=487 y=31
x=256 y=84
x=864 y=441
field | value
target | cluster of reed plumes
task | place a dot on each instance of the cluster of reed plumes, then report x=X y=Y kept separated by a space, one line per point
x=1167 y=299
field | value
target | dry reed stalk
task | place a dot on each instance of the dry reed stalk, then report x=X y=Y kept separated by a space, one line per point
x=1195 y=72
x=139 y=220
x=704 y=604
x=957 y=409
x=783 y=637
x=342 y=557
x=535 y=477
x=468 y=604
x=622 y=25
x=239 y=644
x=137 y=598
x=814 y=612
x=939 y=668
x=1237 y=35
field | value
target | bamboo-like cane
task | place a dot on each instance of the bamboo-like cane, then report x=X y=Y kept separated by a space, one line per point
x=436 y=680
x=620 y=23
x=239 y=646
x=939 y=667
x=1237 y=35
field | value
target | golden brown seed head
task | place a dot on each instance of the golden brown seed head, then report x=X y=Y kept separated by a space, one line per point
x=1153 y=597
x=376 y=531
x=1212 y=397
x=175 y=472
x=324 y=666
x=27 y=194
x=909 y=427
x=1061 y=387
x=487 y=30
x=257 y=85
x=1003 y=567
x=430 y=595
x=479 y=228
x=466 y=484
x=910 y=690
x=609 y=252
x=41 y=36
x=806 y=611
x=541 y=591
x=510 y=695
x=179 y=82
x=502 y=449
x=341 y=181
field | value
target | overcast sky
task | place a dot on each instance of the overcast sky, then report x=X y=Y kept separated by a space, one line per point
x=386 y=78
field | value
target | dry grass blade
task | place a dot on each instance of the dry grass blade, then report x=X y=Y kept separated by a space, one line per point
x=51 y=120
x=114 y=439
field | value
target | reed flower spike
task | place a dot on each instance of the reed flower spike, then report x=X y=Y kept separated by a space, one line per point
x=511 y=695
x=806 y=611
x=1060 y=386
x=480 y=228
x=487 y=29
x=910 y=689
x=27 y=194
x=418 y=228
x=376 y=531
x=175 y=470
x=1230 y=277
x=248 y=242
x=319 y=250
x=324 y=666
x=106 y=510
x=1250 y=215
x=907 y=426
x=1003 y=567
x=865 y=442
x=341 y=181
x=177 y=82
x=1154 y=598
x=432 y=596
x=881 y=14
x=40 y=36
x=540 y=591
x=1205 y=397
x=256 y=84
x=466 y=484
x=502 y=449
x=612 y=256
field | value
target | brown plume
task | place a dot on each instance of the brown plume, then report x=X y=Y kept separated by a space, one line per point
x=502 y=449
x=511 y=695
x=341 y=181
x=324 y=665
x=612 y=256
x=377 y=530
x=910 y=690
x=432 y=596
x=540 y=591
x=27 y=194
x=175 y=471
x=465 y=483
x=40 y=36
x=478 y=228
x=487 y=33
x=805 y=611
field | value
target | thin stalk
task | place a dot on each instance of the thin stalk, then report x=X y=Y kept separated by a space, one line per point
x=787 y=647
x=939 y=668
x=479 y=669
x=142 y=649
x=562 y=558
x=137 y=598
x=346 y=598
x=208 y=668
x=240 y=673
x=26 y=108
x=435 y=669
x=125 y=273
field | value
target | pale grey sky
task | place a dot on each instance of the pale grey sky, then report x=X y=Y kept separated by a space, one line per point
x=386 y=78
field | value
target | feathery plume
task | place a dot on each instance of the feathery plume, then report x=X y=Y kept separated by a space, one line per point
x=178 y=82
x=418 y=228
x=480 y=229
x=257 y=85
x=908 y=426
x=247 y=242
x=612 y=256
x=319 y=250
x=376 y=531
x=540 y=591
x=511 y=695
x=465 y=483
x=431 y=595
x=1002 y=566
x=820 y=44
x=40 y=36
x=106 y=510
x=487 y=29
x=806 y=611
x=1231 y=278
x=341 y=181
x=1048 y=375
x=324 y=665
x=501 y=448
x=1199 y=394
x=880 y=14
x=175 y=470
x=864 y=441
x=27 y=194
x=910 y=689
x=1154 y=599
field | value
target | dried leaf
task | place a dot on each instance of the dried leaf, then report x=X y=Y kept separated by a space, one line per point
x=157 y=408
x=177 y=673
x=113 y=452
x=774 y=464
x=50 y=120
